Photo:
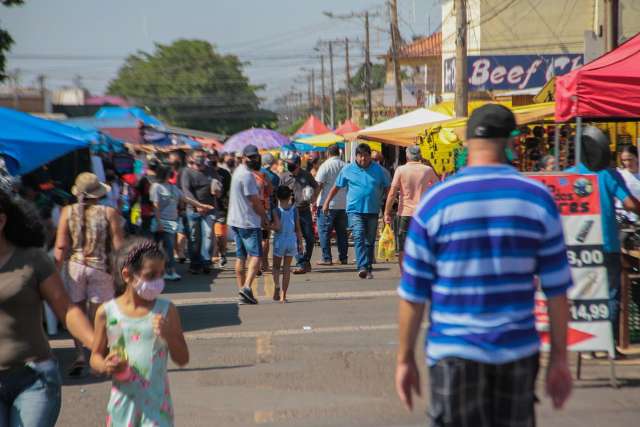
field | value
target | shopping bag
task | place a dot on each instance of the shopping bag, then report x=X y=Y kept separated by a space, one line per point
x=386 y=244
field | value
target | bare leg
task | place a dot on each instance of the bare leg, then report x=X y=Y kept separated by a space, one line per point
x=276 y=276
x=181 y=244
x=253 y=267
x=286 y=276
x=240 y=272
x=265 y=255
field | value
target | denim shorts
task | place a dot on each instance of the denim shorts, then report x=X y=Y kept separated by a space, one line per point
x=39 y=403
x=248 y=242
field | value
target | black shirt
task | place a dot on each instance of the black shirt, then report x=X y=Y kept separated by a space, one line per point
x=196 y=185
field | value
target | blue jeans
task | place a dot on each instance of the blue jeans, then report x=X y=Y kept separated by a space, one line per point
x=364 y=228
x=335 y=220
x=200 y=239
x=168 y=242
x=38 y=405
x=613 y=262
x=306 y=224
x=248 y=242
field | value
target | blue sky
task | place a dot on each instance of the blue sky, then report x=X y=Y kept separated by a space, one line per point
x=90 y=38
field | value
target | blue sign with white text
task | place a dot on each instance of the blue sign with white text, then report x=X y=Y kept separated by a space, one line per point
x=511 y=72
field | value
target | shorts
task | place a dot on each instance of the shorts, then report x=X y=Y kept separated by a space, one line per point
x=86 y=283
x=469 y=393
x=220 y=229
x=403 y=229
x=248 y=242
x=282 y=247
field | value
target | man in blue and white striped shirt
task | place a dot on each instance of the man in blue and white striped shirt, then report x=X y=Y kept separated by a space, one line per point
x=474 y=245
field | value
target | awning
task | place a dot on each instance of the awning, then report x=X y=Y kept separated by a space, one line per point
x=323 y=140
x=606 y=88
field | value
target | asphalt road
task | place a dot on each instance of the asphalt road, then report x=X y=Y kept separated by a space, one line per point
x=324 y=359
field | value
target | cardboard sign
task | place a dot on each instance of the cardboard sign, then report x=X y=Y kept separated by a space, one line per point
x=590 y=326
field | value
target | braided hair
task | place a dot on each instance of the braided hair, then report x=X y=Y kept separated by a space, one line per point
x=131 y=256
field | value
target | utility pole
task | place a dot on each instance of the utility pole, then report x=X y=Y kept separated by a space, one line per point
x=611 y=24
x=313 y=91
x=367 y=69
x=348 y=85
x=322 y=98
x=395 y=45
x=461 y=95
x=332 y=107
x=367 y=60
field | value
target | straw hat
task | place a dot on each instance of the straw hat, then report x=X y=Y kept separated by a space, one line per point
x=88 y=185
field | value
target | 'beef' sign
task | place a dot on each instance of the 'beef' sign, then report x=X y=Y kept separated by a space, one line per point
x=511 y=72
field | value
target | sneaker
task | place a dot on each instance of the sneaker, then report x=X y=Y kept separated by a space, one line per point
x=369 y=275
x=241 y=301
x=363 y=274
x=300 y=270
x=247 y=295
x=175 y=276
x=168 y=277
x=181 y=260
x=324 y=263
x=344 y=262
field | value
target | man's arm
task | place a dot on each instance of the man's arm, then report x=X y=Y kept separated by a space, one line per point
x=257 y=206
x=330 y=196
x=391 y=197
x=559 y=382
x=407 y=377
x=186 y=185
x=63 y=240
x=631 y=204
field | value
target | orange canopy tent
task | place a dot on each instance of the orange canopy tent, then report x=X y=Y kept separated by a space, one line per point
x=313 y=126
x=347 y=127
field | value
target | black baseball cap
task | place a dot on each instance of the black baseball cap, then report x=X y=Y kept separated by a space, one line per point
x=491 y=121
x=250 y=150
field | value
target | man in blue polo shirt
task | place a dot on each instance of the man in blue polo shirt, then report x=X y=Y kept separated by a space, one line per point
x=596 y=157
x=474 y=245
x=366 y=184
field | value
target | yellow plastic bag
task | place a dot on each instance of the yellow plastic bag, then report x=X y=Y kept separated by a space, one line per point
x=136 y=214
x=386 y=244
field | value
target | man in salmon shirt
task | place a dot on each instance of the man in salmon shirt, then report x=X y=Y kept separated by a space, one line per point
x=410 y=182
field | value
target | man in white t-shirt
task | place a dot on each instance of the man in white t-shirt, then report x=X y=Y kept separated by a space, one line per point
x=245 y=217
x=336 y=217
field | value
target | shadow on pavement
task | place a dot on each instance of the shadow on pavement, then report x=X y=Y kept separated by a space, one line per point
x=210 y=368
x=191 y=282
x=205 y=316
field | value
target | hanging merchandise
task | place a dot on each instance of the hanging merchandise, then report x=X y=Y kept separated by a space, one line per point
x=439 y=146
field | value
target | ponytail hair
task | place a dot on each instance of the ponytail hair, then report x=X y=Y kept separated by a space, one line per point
x=131 y=256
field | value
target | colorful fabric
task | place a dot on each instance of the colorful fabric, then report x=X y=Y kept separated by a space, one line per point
x=474 y=245
x=144 y=399
x=89 y=241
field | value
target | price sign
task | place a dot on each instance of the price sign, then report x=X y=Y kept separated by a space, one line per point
x=578 y=200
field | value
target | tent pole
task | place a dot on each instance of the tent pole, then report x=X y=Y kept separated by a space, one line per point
x=578 y=140
x=556 y=145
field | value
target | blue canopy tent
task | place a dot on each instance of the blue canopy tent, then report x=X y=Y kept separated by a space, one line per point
x=33 y=142
x=128 y=112
x=301 y=147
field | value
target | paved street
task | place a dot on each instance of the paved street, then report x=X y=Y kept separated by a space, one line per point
x=324 y=359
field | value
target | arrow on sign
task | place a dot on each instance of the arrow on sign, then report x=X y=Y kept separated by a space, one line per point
x=574 y=336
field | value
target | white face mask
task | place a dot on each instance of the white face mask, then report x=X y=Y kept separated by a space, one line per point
x=149 y=290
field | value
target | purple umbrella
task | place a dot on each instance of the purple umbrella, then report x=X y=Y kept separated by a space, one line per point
x=264 y=139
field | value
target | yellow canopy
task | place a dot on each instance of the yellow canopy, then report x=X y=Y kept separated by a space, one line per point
x=323 y=140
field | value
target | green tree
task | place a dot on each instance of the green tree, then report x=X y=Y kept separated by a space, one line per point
x=5 y=40
x=378 y=77
x=188 y=83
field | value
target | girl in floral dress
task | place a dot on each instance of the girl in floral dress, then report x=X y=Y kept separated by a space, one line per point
x=134 y=335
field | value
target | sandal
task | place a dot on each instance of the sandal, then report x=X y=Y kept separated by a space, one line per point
x=77 y=369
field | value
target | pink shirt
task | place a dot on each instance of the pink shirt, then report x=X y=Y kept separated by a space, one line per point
x=412 y=180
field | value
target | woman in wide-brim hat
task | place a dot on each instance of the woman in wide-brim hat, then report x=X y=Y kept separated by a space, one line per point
x=87 y=233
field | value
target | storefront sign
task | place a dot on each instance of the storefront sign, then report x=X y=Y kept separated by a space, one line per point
x=511 y=72
x=590 y=327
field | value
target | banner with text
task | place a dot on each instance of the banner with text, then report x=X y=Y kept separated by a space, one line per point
x=590 y=327
x=511 y=72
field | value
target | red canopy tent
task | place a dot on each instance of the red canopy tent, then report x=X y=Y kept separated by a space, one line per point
x=347 y=127
x=608 y=87
x=313 y=126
